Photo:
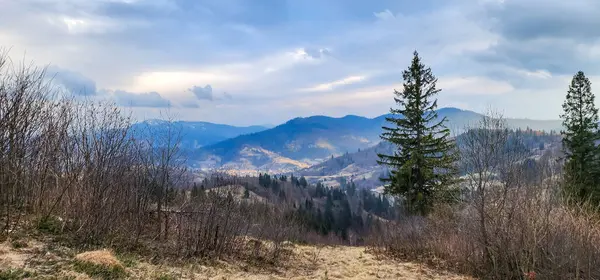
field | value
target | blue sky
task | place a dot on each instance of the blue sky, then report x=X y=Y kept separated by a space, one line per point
x=265 y=61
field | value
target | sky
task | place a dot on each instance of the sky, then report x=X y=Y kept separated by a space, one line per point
x=247 y=62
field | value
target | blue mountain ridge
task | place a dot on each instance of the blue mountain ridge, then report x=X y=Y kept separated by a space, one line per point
x=319 y=137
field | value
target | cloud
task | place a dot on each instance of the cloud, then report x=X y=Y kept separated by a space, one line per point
x=329 y=86
x=385 y=15
x=74 y=82
x=309 y=52
x=474 y=86
x=559 y=38
x=316 y=53
x=149 y=99
x=527 y=20
x=202 y=93
x=165 y=81
x=189 y=104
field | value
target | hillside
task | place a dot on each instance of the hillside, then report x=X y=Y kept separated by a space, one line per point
x=251 y=160
x=361 y=166
x=309 y=138
x=198 y=134
x=312 y=140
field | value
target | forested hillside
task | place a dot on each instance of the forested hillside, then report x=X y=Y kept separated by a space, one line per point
x=303 y=142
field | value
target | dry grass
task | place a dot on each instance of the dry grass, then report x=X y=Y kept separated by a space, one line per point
x=356 y=263
x=305 y=262
x=101 y=257
x=10 y=257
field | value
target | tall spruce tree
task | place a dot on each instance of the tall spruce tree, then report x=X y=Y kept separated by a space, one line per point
x=580 y=120
x=422 y=167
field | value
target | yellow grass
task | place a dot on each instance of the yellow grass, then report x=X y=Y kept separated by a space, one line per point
x=355 y=263
x=306 y=262
x=10 y=257
x=101 y=257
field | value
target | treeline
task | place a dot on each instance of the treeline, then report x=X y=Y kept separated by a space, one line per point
x=345 y=214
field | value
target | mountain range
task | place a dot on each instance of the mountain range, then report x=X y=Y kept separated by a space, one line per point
x=194 y=135
x=361 y=167
x=304 y=142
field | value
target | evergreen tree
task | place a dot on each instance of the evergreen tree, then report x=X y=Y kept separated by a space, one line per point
x=246 y=192
x=351 y=189
x=329 y=218
x=195 y=191
x=344 y=219
x=303 y=182
x=580 y=118
x=422 y=167
x=282 y=194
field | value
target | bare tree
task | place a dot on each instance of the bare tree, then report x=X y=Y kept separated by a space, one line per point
x=164 y=164
x=24 y=96
x=489 y=155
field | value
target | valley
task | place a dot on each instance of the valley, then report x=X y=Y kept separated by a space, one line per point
x=322 y=149
x=303 y=143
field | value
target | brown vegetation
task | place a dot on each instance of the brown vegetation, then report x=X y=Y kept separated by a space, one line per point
x=51 y=261
x=78 y=170
x=100 y=257
x=512 y=220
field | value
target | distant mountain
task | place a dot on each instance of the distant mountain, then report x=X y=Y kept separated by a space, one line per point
x=349 y=163
x=249 y=161
x=195 y=135
x=303 y=139
x=315 y=139
x=362 y=168
x=459 y=119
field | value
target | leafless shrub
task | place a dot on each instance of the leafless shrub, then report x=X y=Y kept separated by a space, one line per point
x=215 y=224
x=25 y=104
x=510 y=224
x=80 y=169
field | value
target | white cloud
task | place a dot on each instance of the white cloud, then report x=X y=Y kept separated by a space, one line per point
x=288 y=59
x=385 y=15
x=177 y=81
x=146 y=99
x=85 y=25
x=329 y=86
x=540 y=74
x=473 y=86
x=480 y=50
